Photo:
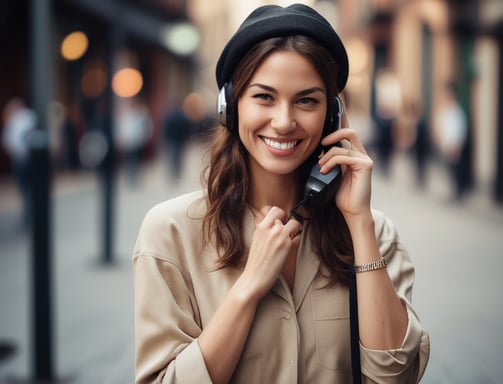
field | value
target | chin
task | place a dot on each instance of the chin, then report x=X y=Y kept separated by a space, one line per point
x=280 y=169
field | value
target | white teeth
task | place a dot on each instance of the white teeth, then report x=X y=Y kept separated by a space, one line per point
x=278 y=145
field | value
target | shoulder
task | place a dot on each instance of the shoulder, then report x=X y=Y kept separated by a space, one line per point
x=173 y=224
x=388 y=240
x=184 y=207
x=384 y=228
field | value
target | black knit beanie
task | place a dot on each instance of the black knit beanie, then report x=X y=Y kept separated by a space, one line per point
x=275 y=21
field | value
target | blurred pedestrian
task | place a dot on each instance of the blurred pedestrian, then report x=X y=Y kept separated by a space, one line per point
x=178 y=128
x=453 y=131
x=388 y=104
x=70 y=151
x=63 y=137
x=132 y=133
x=19 y=122
x=243 y=282
x=421 y=145
x=384 y=141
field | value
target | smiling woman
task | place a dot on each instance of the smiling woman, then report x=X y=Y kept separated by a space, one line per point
x=281 y=115
x=231 y=287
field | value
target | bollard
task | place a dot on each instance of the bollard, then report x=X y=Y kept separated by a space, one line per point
x=498 y=182
x=108 y=189
x=41 y=256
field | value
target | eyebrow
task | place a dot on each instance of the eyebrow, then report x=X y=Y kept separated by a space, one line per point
x=304 y=92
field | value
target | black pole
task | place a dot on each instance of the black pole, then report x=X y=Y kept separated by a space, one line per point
x=108 y=187
x=40 y=193
x=498 y=185
x=115 y=34
x=41 y=260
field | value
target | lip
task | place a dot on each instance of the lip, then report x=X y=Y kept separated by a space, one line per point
x=282 y=147
x=280 y=144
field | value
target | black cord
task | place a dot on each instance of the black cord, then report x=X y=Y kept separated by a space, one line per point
x=355 y=335
x=296 y=215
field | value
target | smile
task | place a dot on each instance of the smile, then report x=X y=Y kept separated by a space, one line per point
x=280 y=145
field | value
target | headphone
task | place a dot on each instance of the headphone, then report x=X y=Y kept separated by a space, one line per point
x=225 y=107
x=227 y=113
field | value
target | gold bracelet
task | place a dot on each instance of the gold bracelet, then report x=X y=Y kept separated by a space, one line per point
x=373 y=266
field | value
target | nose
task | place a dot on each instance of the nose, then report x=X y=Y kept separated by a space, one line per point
x=283 y=120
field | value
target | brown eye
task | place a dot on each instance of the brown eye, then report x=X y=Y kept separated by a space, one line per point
x=308 y=100
x=262 y=96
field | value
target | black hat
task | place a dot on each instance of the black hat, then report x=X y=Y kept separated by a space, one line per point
x=275 y=21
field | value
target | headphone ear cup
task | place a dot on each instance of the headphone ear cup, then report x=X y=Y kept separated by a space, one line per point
x=225 y=107
x=334 y=114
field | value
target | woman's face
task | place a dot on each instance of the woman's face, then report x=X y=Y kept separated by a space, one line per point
x=281 y=113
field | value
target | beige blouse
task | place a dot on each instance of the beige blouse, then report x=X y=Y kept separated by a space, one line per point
x=299 y=336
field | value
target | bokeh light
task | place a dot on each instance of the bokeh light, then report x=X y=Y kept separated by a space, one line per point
x=127 y=82
x=74 y=45
x=182 y=38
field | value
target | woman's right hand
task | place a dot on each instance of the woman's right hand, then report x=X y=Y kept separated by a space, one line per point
x=274 y=237
x=223 y=339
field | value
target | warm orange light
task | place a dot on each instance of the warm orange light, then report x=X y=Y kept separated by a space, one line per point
x=127 y=82
x=74 y=46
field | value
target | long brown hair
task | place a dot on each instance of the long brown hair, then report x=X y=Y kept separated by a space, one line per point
x=228 y=176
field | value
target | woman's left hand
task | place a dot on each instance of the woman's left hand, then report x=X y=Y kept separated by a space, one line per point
x=353 y=195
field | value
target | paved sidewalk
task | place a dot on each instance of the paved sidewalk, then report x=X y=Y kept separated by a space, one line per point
x=456 y=295
x=93 y=302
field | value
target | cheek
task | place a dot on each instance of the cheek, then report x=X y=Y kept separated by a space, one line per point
x=314 y=127
x=243 y=115
x=250 y=118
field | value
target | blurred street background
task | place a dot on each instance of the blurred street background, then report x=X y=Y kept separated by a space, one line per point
x=106 y=108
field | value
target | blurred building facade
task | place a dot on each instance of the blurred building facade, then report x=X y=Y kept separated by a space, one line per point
x=419 y=45
x=412 y=47
x=138 y=40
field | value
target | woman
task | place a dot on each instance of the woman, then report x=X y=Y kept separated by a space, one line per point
x=228 y=287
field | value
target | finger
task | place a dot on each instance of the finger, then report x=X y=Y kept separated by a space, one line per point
x=293 y=228
x=346 y=144
x=265 y=210
x=354 y=160
x=345 y=135
x=296 y=240
x=333 y=155
x=272 y=215
x=355 y=142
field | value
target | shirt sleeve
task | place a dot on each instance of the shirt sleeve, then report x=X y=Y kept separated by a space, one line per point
x=407 y=364
x=167 y=320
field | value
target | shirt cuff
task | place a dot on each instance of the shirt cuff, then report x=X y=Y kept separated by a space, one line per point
x=190 y=366
x=409 y=360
